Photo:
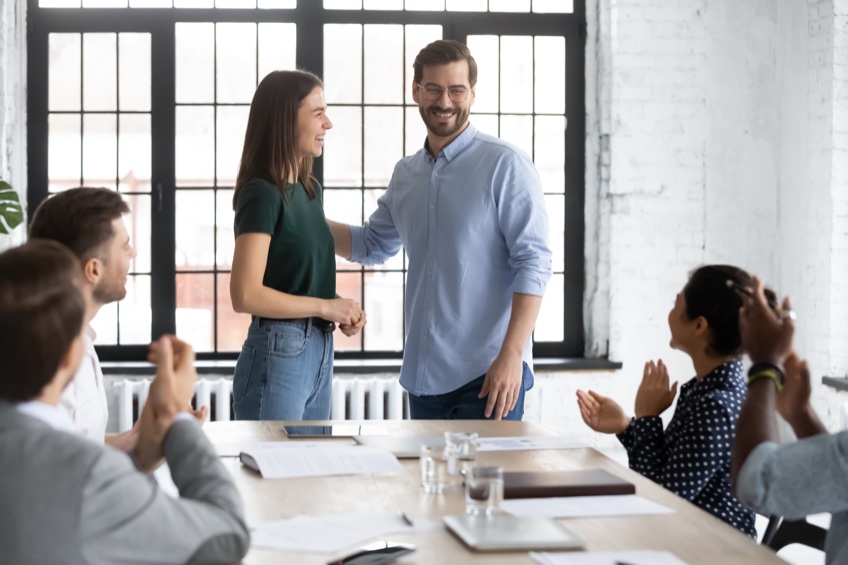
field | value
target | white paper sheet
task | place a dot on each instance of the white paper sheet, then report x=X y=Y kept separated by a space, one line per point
x=522 y=443
x=584 y=506
x=632 y=557
x=332 y=533
x=233 y=449
x=322 y=460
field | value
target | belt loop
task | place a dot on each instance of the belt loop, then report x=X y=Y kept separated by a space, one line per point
x=309 y=324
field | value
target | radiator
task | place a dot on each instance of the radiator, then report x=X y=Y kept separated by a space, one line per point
x=371 y=398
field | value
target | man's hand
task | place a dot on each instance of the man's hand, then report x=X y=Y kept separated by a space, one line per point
x=601 y=413
x=169 y=394
x=502 y=384
x=654 y=396
x=765 y=336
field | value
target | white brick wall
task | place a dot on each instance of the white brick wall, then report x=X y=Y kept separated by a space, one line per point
x=12 y=103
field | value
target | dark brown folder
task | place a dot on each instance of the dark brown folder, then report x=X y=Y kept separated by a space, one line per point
x=591 y=482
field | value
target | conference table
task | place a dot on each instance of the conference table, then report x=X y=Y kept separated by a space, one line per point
x=690 y=533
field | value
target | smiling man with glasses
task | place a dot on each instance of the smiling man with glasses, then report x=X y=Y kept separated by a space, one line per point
x=470 y=212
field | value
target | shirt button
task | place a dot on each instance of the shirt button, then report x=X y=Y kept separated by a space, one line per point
x=432 y=206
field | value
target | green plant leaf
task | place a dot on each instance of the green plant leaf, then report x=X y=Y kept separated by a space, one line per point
x=11 y=211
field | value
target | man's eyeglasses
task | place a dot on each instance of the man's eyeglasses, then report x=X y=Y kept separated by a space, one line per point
x=432 y=92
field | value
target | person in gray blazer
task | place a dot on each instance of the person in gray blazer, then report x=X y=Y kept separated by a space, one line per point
x=66 y=500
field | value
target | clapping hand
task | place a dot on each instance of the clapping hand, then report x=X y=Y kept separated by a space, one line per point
x=601 y=413
x=654 y=395
x=766 y=336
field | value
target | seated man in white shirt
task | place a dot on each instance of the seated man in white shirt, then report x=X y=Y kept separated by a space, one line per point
x=67 y=500
x=89 y=222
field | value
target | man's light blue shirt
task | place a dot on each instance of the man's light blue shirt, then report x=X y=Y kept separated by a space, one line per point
x=474 y=226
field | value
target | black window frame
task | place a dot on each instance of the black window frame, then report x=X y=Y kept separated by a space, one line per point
x=310 y=18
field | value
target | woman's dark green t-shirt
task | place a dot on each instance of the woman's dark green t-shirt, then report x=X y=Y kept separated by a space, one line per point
x=301 y=258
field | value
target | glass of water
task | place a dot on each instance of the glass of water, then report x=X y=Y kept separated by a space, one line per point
x=484 y=488
x=463 y=451
x=434 y=469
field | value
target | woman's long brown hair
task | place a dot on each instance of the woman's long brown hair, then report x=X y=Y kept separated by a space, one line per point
x=270 y=142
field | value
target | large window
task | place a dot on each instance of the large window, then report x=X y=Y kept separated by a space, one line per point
x=150 y=97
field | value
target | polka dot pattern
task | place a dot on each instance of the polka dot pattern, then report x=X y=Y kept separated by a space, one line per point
x=692 y=456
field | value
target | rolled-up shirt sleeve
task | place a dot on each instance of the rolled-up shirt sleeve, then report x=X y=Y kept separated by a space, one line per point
x=378 y=240
x=797 y=479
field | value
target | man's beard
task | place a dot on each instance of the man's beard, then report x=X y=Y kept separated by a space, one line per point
x=443 y=129
x=109 y=292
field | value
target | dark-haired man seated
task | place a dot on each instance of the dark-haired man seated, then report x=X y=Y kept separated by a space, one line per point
x=791 y=480
x=68 y=500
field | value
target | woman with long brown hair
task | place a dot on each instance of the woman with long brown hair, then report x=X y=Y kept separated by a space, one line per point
x=284 y=271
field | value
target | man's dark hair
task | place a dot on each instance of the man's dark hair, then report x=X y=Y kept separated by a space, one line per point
x=80 y=219
x=442 y=52
x=41 y=314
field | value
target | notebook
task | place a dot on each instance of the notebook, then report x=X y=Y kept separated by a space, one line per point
x=503 y=532
x=546 y=484
x=402 y=447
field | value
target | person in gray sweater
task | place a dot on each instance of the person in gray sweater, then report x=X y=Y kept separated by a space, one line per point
x=66 y=500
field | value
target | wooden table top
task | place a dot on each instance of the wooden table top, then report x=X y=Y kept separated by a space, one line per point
x=690 y=533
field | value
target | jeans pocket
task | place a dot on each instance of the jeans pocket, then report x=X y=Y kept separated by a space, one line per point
x=241 y=377
x=287 y=340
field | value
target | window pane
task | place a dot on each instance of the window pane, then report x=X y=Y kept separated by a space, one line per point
x=64 y=71
x=431 y=5
x=345 y=206
x=343 y=64
x=549 y=324
x=342 y=5
x=281 y=4
x=383 y=143
x=417 y=37
x=518 y=130
x=553 y=6
x=194 y=315
x=343 y=153
x=99 y=71
x=232 y=122
x=349 y=285
x=277 y=46
x=134 y=71
x=104 y=3
x=105 y=325
x=150 y=3
x=194 y=4
x=99 y=150
x=384 y=308
x=509 y=5
x=195 y=230
x=550 y=152
x=550 y=75
x=195 y=62
x=64 y=151
x=195 y=146
x=134 y=312
x=224 y=218
x=232 y=327
x=487 y=123
x=236 y=70
x=383 y=64
x=235 y=3
x=58 y=3
x=134 y=152
x=555 y=207
x=517 y=74
x=416 y=131
x=486 y=50
x=467 y=5
x=138 y=227
x=383 y=4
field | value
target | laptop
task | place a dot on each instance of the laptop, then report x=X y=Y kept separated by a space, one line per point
x=503 y=532
x=403 y=447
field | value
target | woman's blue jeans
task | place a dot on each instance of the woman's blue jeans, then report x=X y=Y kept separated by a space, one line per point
x=284 y=371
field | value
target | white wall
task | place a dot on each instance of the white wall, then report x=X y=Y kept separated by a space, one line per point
x=12 y=103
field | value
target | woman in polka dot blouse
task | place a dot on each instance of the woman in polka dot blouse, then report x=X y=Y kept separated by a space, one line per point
x=691 y=457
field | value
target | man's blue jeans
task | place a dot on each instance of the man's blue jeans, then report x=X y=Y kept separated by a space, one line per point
x=284 y=372
x=462 y=403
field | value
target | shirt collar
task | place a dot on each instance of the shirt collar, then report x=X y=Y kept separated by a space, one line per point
x=729 y=372
x=456 y=146
x=47 y=413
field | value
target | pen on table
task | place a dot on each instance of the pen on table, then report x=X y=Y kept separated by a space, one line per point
x=626 y=562
x=406 y=519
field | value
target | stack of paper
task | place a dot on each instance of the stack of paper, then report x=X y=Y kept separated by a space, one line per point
x=633 y=557
x=584 y=506
x=318 y=459
x=333 y=533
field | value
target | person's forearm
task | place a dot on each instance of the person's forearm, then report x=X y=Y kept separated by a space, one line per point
x=269 y=303
x=124 y=441
x=756 y=424
x=522 y=320
x=341 y=237
x=807 y=424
